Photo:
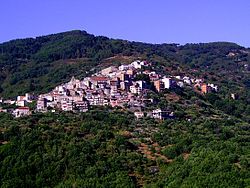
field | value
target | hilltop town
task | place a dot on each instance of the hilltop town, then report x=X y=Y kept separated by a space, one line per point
x=133 y=114
x=125 y=86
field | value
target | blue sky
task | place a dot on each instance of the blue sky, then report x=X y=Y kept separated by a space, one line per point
x=154 y=21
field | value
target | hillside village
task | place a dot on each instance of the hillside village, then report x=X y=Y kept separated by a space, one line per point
x=124 y=86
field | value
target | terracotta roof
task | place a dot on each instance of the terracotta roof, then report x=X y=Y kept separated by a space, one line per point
x=22 y=98
x=23 y=108
x=147 y=71
x=99 y=78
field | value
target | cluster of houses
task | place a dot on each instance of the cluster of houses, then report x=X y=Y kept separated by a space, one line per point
x=113 y=86
x=178 y=81
x=21 y=102
x=199 y=84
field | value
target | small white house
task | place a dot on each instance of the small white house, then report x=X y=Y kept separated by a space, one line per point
x=137 y=64
x=139 y=115
x=168 y=82
x=41 y=104
x=136 y=89
x=21 y=111
x=160 y=114
x=124 y=67
x=21 y=103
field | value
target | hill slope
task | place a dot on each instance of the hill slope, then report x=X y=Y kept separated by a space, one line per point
x=206 y=145
x=36 y=64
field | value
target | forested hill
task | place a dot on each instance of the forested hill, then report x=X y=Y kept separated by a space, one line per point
x=38 y=64
x=206 y=144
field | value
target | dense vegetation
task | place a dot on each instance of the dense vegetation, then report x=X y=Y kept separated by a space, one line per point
x=101 y=149
x=206 y=145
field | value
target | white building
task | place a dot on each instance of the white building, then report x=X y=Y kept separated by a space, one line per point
x=23 y=100
x=82 y=106
x=168 y=82
x=137 y=64
x=9 y=102
x=124 y=67
x=160 y=114
x=187 y=80
x=21 y=111
x=180 y=84
x=3 y=110
x=113 y=90
x=67 y=105
x=21 y=103
x=141 y=84
x=41 y=104
x=139 y=115
x=60 y=90
x=29 y=97
x=178 y=77
x=136 y=89
x=214 y=87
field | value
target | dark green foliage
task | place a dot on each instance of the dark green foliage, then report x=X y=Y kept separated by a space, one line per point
x=143 y=77
x=87 y=150
x=49 y=150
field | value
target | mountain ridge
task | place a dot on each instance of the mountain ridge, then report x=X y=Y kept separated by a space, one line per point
x=31 y=60
x=77 y=31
